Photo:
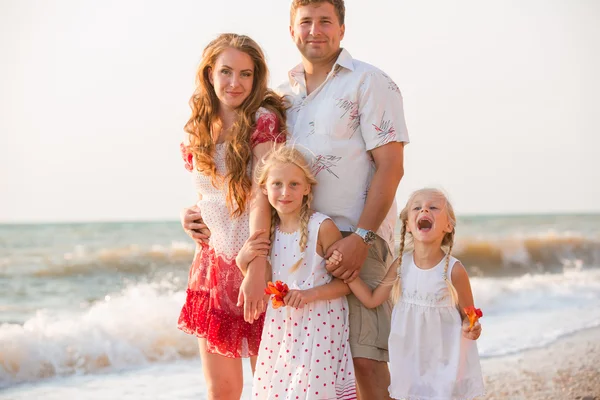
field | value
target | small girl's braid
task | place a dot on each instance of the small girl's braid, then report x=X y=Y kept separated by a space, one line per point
x=304 y=219
x=289 y=155
x=397 y=281
x=449 y=241
x=274 y=221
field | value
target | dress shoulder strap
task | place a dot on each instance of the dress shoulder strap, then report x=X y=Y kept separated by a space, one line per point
x=316 y=220
x=448 y=268
x=407 y=261
x=314 y=225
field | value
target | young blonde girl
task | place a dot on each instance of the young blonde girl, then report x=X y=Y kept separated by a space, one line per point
x=304 y=351
x=433 y=353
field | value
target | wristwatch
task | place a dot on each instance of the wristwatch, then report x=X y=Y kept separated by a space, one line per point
x=367 y=236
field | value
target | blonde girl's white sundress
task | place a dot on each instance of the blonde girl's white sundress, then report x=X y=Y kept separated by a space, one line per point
x=304 y=353
x=429 y=357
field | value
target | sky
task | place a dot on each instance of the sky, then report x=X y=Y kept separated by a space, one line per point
x=501 y=99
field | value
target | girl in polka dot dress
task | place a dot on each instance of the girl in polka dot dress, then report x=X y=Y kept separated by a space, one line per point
x=304 y=351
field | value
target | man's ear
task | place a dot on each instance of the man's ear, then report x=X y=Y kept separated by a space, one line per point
x=343 y=29
x=292 y=31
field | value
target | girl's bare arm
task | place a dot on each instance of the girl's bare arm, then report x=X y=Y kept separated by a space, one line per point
x=373 y=298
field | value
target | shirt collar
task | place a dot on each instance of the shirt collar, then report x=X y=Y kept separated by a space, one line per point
x=344 y=60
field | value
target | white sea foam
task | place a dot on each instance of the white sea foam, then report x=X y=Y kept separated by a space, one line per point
x=137 y=326
x=534 y=310
x=132 y=328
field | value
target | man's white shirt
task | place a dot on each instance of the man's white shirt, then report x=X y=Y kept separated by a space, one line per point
x=357 y=109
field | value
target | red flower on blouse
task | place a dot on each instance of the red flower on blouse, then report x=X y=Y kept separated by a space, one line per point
x=187 y=156
x=279 y=290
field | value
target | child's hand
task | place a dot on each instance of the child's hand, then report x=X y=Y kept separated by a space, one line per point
x=469 y=332
x=297 y=298
x=333 y=261
x=254 y=247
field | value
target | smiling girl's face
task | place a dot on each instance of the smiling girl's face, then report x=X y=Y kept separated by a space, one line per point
x=428 y=219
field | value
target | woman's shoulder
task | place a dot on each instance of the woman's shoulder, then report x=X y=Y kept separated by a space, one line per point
x=264 y=113
x=267 y=127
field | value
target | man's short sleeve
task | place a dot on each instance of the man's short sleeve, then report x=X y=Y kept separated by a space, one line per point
x=381 y=111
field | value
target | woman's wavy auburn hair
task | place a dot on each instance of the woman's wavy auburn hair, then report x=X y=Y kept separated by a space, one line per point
x=205 y=107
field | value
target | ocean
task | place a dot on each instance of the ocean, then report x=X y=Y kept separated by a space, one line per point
x=89 y=310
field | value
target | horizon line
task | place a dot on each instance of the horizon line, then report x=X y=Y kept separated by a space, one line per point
x=159 y=220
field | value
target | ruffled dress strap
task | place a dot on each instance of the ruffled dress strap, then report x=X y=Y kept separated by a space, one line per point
x=266 y=129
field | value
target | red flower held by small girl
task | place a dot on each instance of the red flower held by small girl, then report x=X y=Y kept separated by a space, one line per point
x=279 y=290
x=187 y=156
x=473 y=314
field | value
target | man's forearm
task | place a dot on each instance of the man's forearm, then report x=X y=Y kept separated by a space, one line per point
x=380 y=196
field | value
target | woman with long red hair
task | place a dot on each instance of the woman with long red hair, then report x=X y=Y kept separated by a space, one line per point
x=235 y=121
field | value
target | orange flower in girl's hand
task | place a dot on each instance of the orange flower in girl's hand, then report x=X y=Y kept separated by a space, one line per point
x=473 y=314
x=279 y=290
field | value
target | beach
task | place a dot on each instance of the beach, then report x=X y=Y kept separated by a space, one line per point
x=566 y=369
x=89 y=310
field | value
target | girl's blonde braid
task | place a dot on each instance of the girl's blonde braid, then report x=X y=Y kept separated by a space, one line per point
x=274 y=221
x=304 y=219
x=397 y=282
x=449 y=241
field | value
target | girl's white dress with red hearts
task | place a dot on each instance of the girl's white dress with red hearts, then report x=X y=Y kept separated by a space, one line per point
x=304 y=353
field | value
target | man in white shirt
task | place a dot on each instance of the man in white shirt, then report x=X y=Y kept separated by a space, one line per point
x=347 y=116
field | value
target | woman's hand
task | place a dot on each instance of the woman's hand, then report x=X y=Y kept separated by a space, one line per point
x=193 y=225
x=254 y=247
x=252 y=291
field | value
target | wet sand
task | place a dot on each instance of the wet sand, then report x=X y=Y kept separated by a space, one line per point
x=566 y=369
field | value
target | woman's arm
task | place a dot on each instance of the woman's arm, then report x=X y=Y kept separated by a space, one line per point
x=193 y=224
x=251 y=293
x=256 y=246
x=373 y=298
x=191 y=218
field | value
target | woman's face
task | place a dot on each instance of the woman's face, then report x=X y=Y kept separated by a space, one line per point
x=232 y=77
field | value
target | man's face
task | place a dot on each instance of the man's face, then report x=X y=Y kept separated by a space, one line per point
x=317 y=32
